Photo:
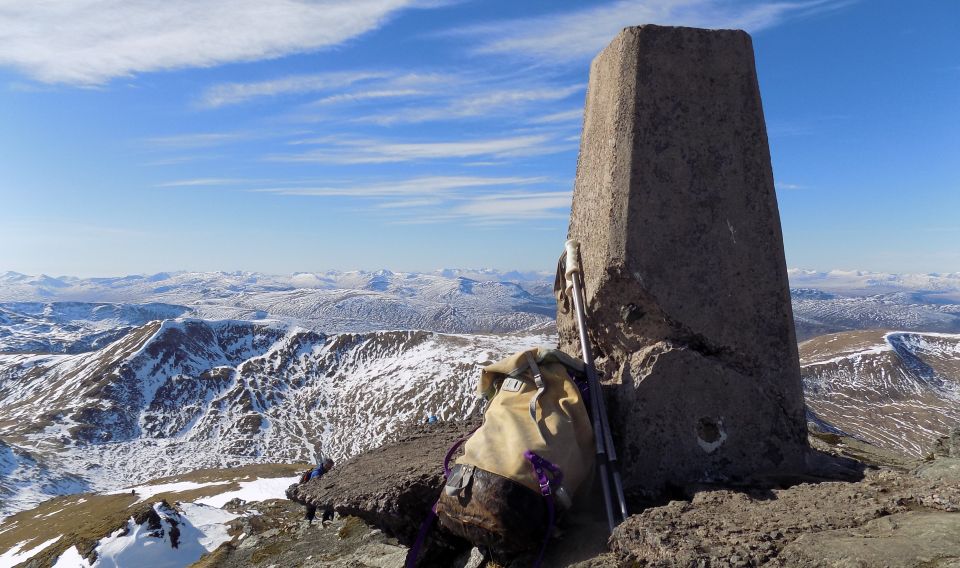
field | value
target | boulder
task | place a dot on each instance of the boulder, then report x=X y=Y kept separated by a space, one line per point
x=685 y=278
x=394 y=486
x=947 y=446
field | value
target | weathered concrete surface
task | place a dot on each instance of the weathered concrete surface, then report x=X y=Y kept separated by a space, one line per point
x=686 y=282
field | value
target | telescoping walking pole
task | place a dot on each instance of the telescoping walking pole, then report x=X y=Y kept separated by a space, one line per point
x=606 y=453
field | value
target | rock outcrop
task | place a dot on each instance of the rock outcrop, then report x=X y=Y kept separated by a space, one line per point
x=394 y=486
x=903 y=516
x=686 y=282
x=947 y=446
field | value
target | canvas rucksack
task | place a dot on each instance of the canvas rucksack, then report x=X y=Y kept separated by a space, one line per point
x=533 y=451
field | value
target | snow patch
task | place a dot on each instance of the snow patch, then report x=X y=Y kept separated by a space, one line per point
x=145 y=492
x=256 y=490
x=13 y=556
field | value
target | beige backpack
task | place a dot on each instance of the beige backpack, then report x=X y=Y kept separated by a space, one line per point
x=533 y=451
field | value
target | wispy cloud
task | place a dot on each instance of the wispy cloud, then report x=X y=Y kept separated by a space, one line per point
x=482 y=102
x=89 y=42
x=495 y=210
x=195 y=140
x=553 y=204
x=418 y=186
x=789 y=186
x=368 y=95
x=403 y=97
x=475 y=200
x=235 y=93
x=365 y=84
x=580 y=34
x=335 y=150
x=572 y=115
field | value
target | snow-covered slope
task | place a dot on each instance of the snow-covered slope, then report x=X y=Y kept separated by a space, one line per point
x=898 y=390
x=169 y=523
x=178 y=395
x=817 y=312
x=73 y=327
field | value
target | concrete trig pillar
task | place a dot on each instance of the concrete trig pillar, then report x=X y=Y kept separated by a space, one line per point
x=686 y=282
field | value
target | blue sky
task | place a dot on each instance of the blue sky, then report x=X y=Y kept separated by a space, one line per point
x=295 y=136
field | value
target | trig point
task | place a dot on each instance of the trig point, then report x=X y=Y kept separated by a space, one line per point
x=686 y=283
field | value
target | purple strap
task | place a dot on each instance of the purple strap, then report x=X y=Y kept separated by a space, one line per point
x=583 y=386
x=425 y=527
x=427 y=523
x=453 y=449
x=540 y=468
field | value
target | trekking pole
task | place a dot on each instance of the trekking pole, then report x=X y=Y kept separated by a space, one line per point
x=606 y=453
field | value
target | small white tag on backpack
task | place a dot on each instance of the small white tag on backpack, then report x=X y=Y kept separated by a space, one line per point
x=512 y=385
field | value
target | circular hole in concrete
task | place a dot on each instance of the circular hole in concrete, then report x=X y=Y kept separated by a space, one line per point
x=708 y=430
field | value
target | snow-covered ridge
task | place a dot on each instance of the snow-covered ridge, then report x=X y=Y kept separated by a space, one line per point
x=182 y=394
x=895 y=389
x=73 y=327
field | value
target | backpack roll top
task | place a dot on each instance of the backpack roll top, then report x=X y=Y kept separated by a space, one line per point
x=533 y=451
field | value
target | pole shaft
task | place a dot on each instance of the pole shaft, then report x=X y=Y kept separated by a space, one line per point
x=596 y=403
x=601 y=421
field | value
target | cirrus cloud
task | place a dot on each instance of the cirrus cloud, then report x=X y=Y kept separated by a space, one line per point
x=90 y=42
x=581 y=33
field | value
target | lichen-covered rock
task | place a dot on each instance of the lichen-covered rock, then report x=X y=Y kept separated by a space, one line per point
x=686 y=284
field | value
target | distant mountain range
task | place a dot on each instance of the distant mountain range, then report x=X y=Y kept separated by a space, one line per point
x=828 y=302
x=43 y=313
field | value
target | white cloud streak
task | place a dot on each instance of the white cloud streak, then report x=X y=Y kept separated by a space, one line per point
x=419 y=186
x=789 y=186
x=473 y=200
x=374 y=84
x=572 y=115
x=479 y=104
x=581 y=34
x=235 y=93
x=338 y=151
x=90 y=42
x=513 y=206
